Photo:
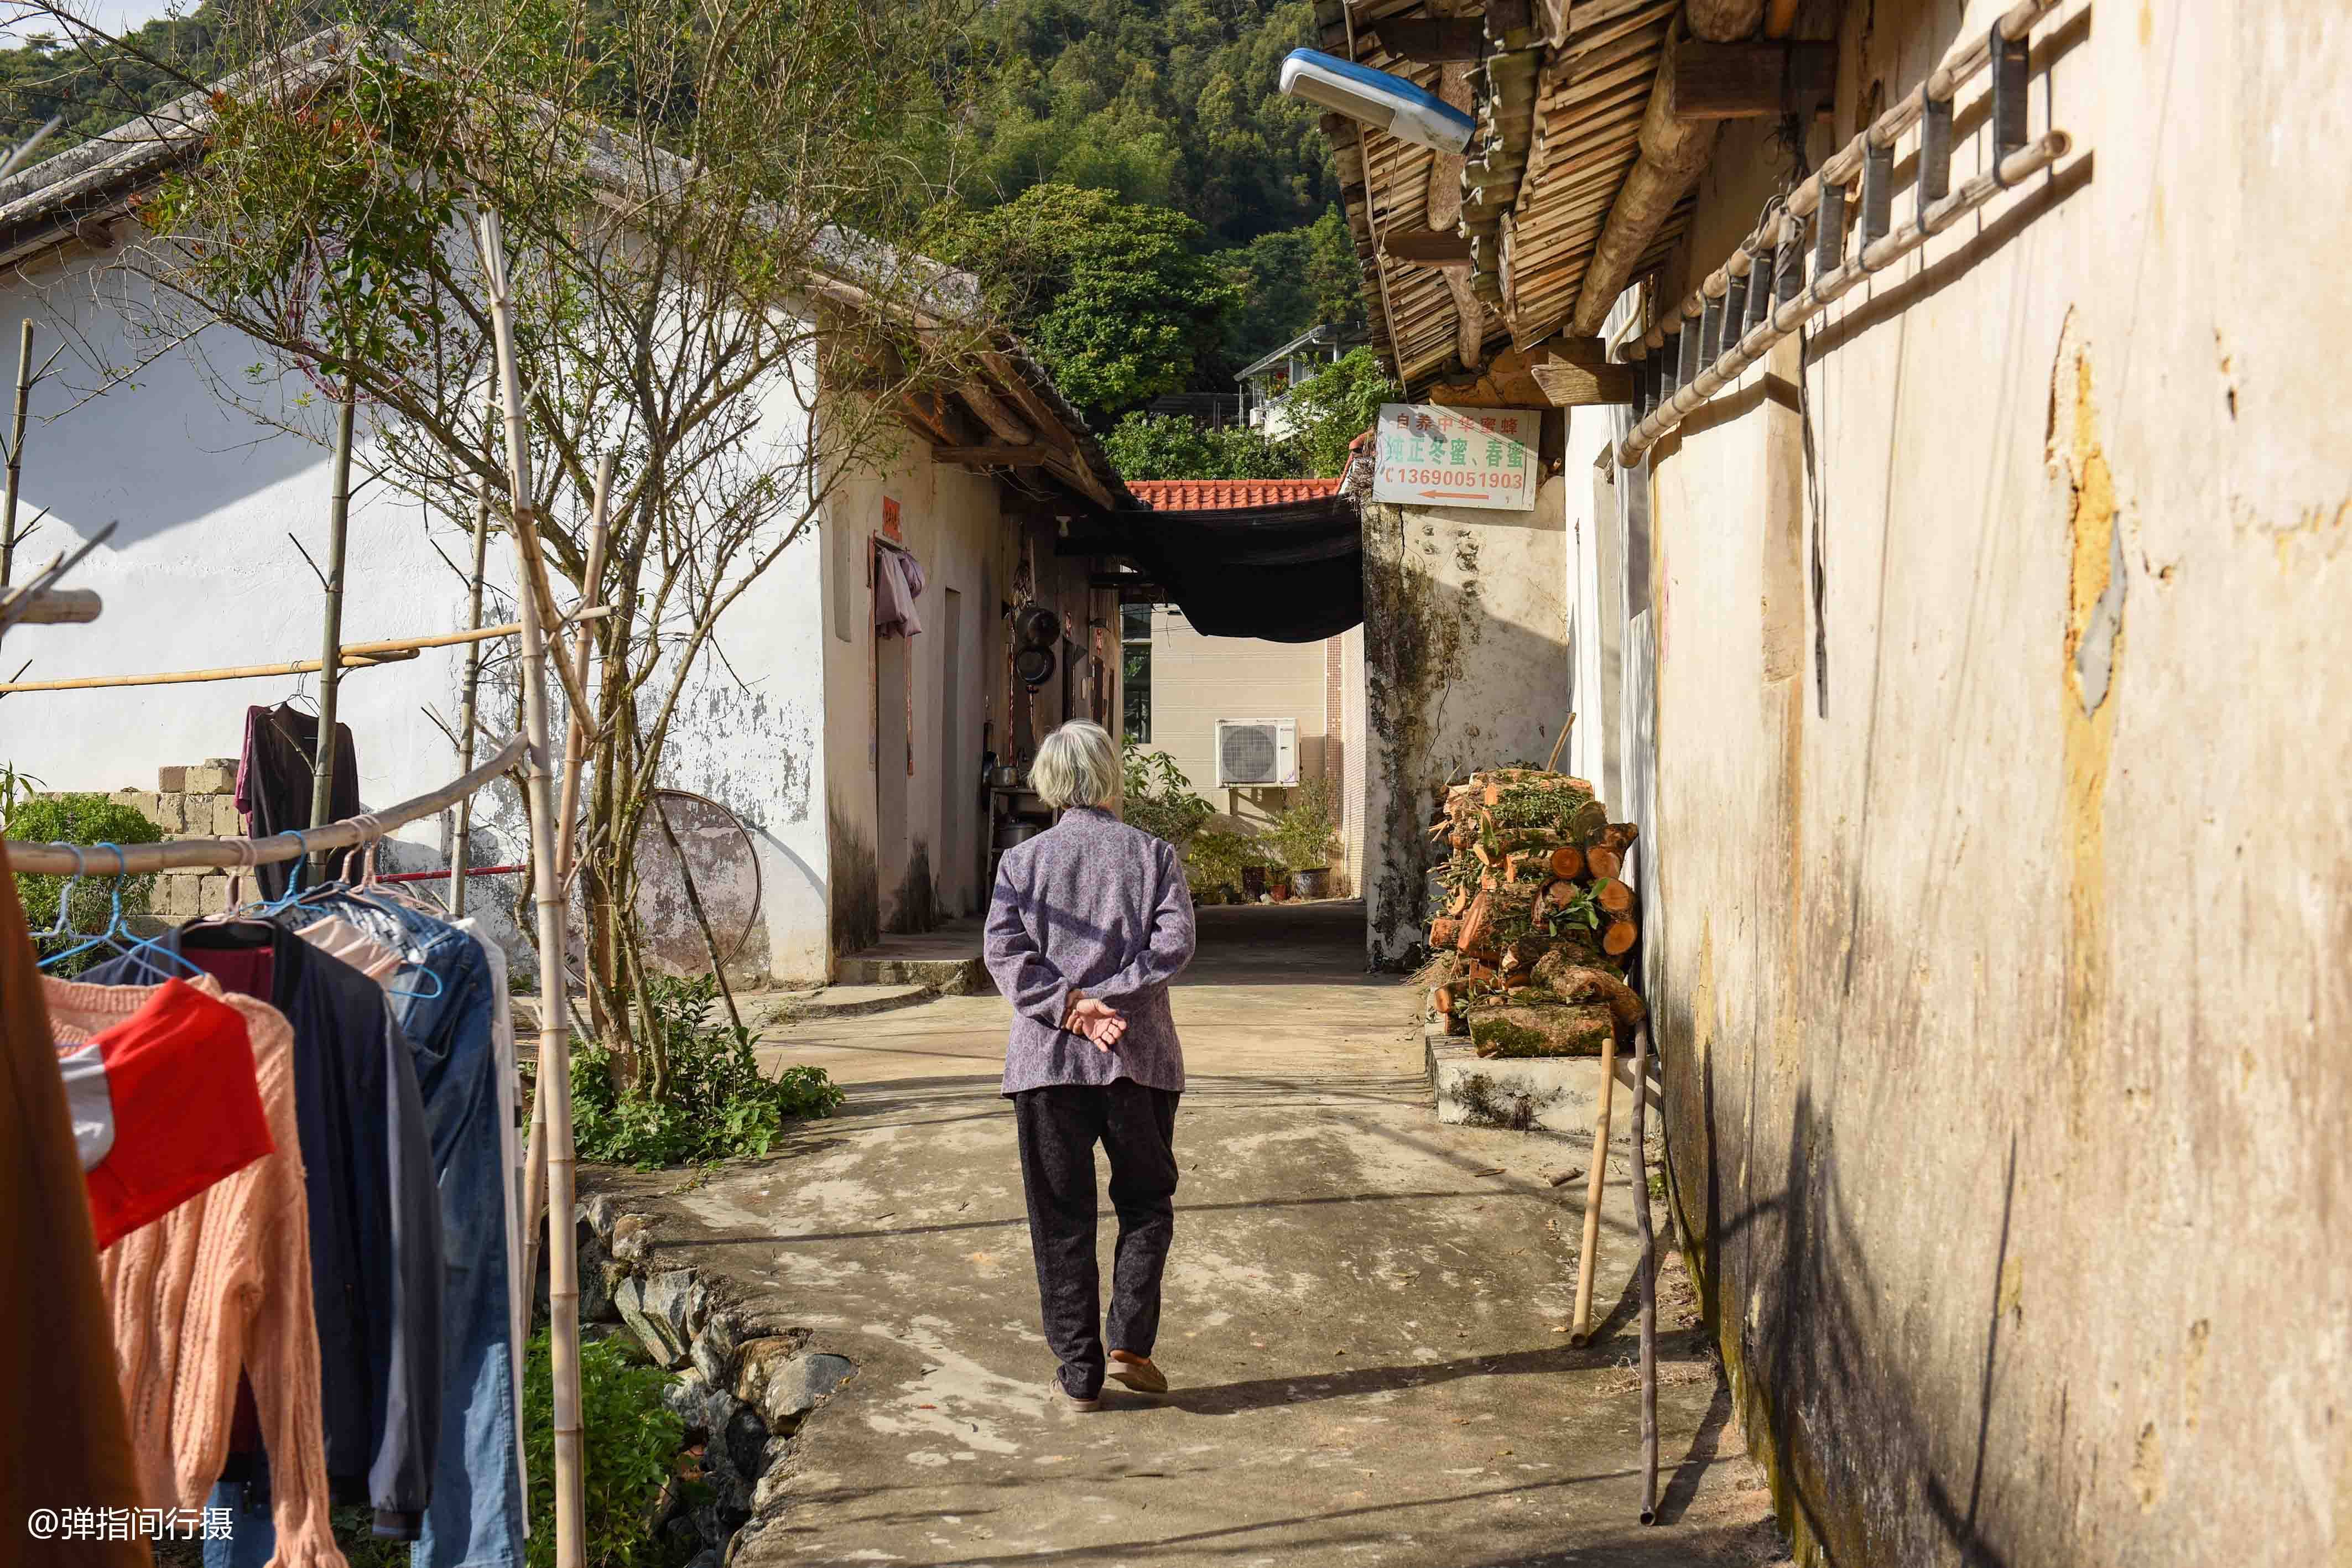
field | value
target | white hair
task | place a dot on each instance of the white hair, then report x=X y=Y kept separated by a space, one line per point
x=1077 y=765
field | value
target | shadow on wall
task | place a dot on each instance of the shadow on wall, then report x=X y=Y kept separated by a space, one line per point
x=857 y=896
x=916 y=905
x=1449 y=688
x=1851 y=1444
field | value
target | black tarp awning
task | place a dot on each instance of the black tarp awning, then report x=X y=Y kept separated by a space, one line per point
x=1287 y=573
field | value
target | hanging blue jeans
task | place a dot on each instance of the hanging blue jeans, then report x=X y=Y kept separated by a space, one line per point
x=475 y=1519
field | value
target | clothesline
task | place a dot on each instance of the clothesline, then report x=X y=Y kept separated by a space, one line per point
x=64 y=860
x=355 y=656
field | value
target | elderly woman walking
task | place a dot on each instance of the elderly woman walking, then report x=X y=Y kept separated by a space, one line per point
x=1090 y=922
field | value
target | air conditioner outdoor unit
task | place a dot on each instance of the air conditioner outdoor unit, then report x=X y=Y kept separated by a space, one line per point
x=1257 y=751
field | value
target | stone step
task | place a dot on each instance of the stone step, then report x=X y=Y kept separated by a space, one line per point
x=946 y=977
x=1527 y=1094
x=842 y=1001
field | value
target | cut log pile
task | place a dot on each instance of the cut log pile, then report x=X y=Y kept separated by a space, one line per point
x=1534 y=919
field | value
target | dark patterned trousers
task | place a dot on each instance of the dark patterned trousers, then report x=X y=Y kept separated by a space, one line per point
x=1060 y=1127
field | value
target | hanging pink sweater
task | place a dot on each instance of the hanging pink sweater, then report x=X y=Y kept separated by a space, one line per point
x=220 y=1283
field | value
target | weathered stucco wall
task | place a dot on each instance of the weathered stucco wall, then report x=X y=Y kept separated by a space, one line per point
x=1465 y=621
x=909 y=845
x=2000 y=950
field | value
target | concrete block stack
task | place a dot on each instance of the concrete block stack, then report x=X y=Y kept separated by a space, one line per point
x=194 y=801
x=1534 y=910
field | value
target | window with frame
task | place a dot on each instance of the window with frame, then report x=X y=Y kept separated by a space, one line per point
x=1135 y=670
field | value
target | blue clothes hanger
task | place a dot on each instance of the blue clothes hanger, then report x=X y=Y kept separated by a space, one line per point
x=141 y=949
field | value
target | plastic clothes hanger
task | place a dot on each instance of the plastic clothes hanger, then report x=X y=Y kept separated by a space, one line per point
x=144 y=950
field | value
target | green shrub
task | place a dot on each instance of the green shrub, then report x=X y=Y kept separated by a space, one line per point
x=1216 y=859
x=718 y=1102
x=80 y=818
x=1159 y=799
x=1301 y=838
x=632 y=1441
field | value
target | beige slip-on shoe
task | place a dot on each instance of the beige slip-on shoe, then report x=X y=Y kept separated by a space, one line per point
x=1137 y=1372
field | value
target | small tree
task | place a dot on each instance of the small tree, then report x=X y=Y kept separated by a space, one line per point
x=1334 y=406
x=1114 y=297
x=712 y=234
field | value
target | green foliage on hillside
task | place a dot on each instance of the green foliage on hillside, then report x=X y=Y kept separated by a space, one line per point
x=1167 y=101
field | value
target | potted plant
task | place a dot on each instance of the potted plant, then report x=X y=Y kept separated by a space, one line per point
x=1303 y=840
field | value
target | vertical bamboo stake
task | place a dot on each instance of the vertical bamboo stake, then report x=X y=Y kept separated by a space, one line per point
x=554 y=1025
x=330 y=661
x=575 y=751
x=1580 y=1328
x=15 y=454
x=473 y=685
x=1649 y=1274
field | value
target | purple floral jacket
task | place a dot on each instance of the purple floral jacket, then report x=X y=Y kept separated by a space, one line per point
x=1094 y=904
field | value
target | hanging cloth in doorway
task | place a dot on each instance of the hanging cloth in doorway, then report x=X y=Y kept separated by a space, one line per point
x=898 y=583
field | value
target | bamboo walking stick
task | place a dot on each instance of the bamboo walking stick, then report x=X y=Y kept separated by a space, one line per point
x=554 y=1027
x=575 y=752
x=1649 y=1275
x=1580 y=1326
x=464 y=856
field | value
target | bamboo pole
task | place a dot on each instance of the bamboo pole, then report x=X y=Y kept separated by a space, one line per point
x=137 y=860
x=356 y=656
x=1648 y=1277
x=554 y=1043
x=331 y=643
x=575 y=753
x=466 y=704
x=1580 y=1324
x=16 y=454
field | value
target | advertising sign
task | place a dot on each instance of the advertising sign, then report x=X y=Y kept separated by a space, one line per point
x=1430 y=455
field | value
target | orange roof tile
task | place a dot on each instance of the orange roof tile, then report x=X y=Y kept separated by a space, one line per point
x=1223 y=495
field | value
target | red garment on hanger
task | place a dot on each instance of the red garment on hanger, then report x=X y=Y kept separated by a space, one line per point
x=164 y=1104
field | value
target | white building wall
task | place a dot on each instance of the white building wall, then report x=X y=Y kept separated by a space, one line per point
x=1197 y=680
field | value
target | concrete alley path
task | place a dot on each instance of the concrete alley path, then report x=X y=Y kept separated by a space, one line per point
x=1362 y=1308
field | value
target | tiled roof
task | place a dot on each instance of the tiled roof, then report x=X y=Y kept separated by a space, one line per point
x=1223 y=495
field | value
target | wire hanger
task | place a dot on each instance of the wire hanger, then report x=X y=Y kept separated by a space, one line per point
x=58 y=927
x=368 y=890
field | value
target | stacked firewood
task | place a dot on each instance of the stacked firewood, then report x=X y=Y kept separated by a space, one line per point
x=1533 y=908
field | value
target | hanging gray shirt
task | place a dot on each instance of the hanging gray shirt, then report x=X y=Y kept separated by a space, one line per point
x=1094 y=905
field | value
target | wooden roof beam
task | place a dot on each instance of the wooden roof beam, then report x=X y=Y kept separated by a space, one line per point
x=1031 y=454
x=1742 y=81
x=1432 y=40
x=1723 y=21
x=1673 y=150
x=1002 y=423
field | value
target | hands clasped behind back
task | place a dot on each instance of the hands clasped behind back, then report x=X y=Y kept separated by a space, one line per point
x=1097 y=1021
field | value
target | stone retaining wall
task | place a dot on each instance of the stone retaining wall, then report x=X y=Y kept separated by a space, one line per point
x=743 y=1385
